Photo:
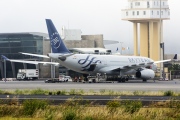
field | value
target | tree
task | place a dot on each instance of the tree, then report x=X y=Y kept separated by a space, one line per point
x=175 y=68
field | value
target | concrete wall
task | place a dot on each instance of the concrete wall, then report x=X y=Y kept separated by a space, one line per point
x=97 y=38
x=80 y=43
x=144 y=39
x=45 y=70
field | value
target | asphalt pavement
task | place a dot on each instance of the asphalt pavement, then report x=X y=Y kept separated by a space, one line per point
x=133 y=85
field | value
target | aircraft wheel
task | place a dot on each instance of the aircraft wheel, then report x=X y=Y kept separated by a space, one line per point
x=123 y=79
x=144 y=80
x=119 y=80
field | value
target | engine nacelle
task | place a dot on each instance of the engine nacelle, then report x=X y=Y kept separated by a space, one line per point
x=145 y=74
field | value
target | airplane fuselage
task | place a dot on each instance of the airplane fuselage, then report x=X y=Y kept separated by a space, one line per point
x=91 y=63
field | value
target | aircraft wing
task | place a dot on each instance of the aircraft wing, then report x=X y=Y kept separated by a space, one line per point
x=162 y=61
x=44 y=56
x=49 y=54
x=132 y=66
x=30 y=62
x=138 y=65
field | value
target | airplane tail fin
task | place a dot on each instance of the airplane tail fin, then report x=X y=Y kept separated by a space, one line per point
x=175 y=57
x=57 y=44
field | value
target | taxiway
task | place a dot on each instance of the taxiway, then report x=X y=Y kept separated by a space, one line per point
x=137 y=85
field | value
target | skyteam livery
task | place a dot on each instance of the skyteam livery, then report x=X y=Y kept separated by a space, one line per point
x=141 y=67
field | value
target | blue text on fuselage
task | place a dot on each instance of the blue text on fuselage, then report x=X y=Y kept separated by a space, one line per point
x=139 y=60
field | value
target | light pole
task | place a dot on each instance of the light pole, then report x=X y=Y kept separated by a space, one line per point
x=161 y=44
x=4 y=70
x=121 y=47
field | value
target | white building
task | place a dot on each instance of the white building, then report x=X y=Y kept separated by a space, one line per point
x=146 y=10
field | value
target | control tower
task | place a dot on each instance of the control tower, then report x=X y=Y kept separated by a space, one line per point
x=147 y=17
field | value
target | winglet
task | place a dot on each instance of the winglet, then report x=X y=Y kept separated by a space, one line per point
x=4 y=57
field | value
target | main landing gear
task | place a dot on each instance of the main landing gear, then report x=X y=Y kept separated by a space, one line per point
x=85 y=77
x=144 y=80
x=123 y=79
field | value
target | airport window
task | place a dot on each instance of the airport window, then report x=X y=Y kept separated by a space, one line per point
x=133 y=12
x=5 y=50
x=137 y=12
x=144 y=12
x=31 y=43
x=131 y=5
x=137 y=3
x=16 y=50
x=15 y=43
x=148 y=5
x=4 y=43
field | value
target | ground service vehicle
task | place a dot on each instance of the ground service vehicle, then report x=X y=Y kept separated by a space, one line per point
x=96 y=79
x=27 y=74
x=62 y=78
x=51 y=80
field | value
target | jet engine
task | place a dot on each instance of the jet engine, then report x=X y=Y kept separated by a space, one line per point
x=145 y=74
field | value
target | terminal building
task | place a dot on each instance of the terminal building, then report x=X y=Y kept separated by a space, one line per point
x=38 y=43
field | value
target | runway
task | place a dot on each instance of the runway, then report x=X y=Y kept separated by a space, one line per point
x=137 y=85
x=93 y=99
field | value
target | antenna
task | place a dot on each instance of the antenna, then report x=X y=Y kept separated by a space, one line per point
x=63 y=33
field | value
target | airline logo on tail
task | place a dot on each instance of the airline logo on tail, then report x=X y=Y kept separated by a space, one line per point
x=55 y=41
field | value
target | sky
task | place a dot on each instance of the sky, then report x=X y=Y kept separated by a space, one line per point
x=91 y=16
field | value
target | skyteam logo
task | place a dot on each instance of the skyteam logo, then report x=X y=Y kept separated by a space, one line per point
x=87 y=62
x=55 y=42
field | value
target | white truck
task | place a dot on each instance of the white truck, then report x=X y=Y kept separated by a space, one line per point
x=62 y=78
x=97 y=79
x=27 y=74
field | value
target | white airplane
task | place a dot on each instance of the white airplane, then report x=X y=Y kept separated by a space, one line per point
x=141 y=67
